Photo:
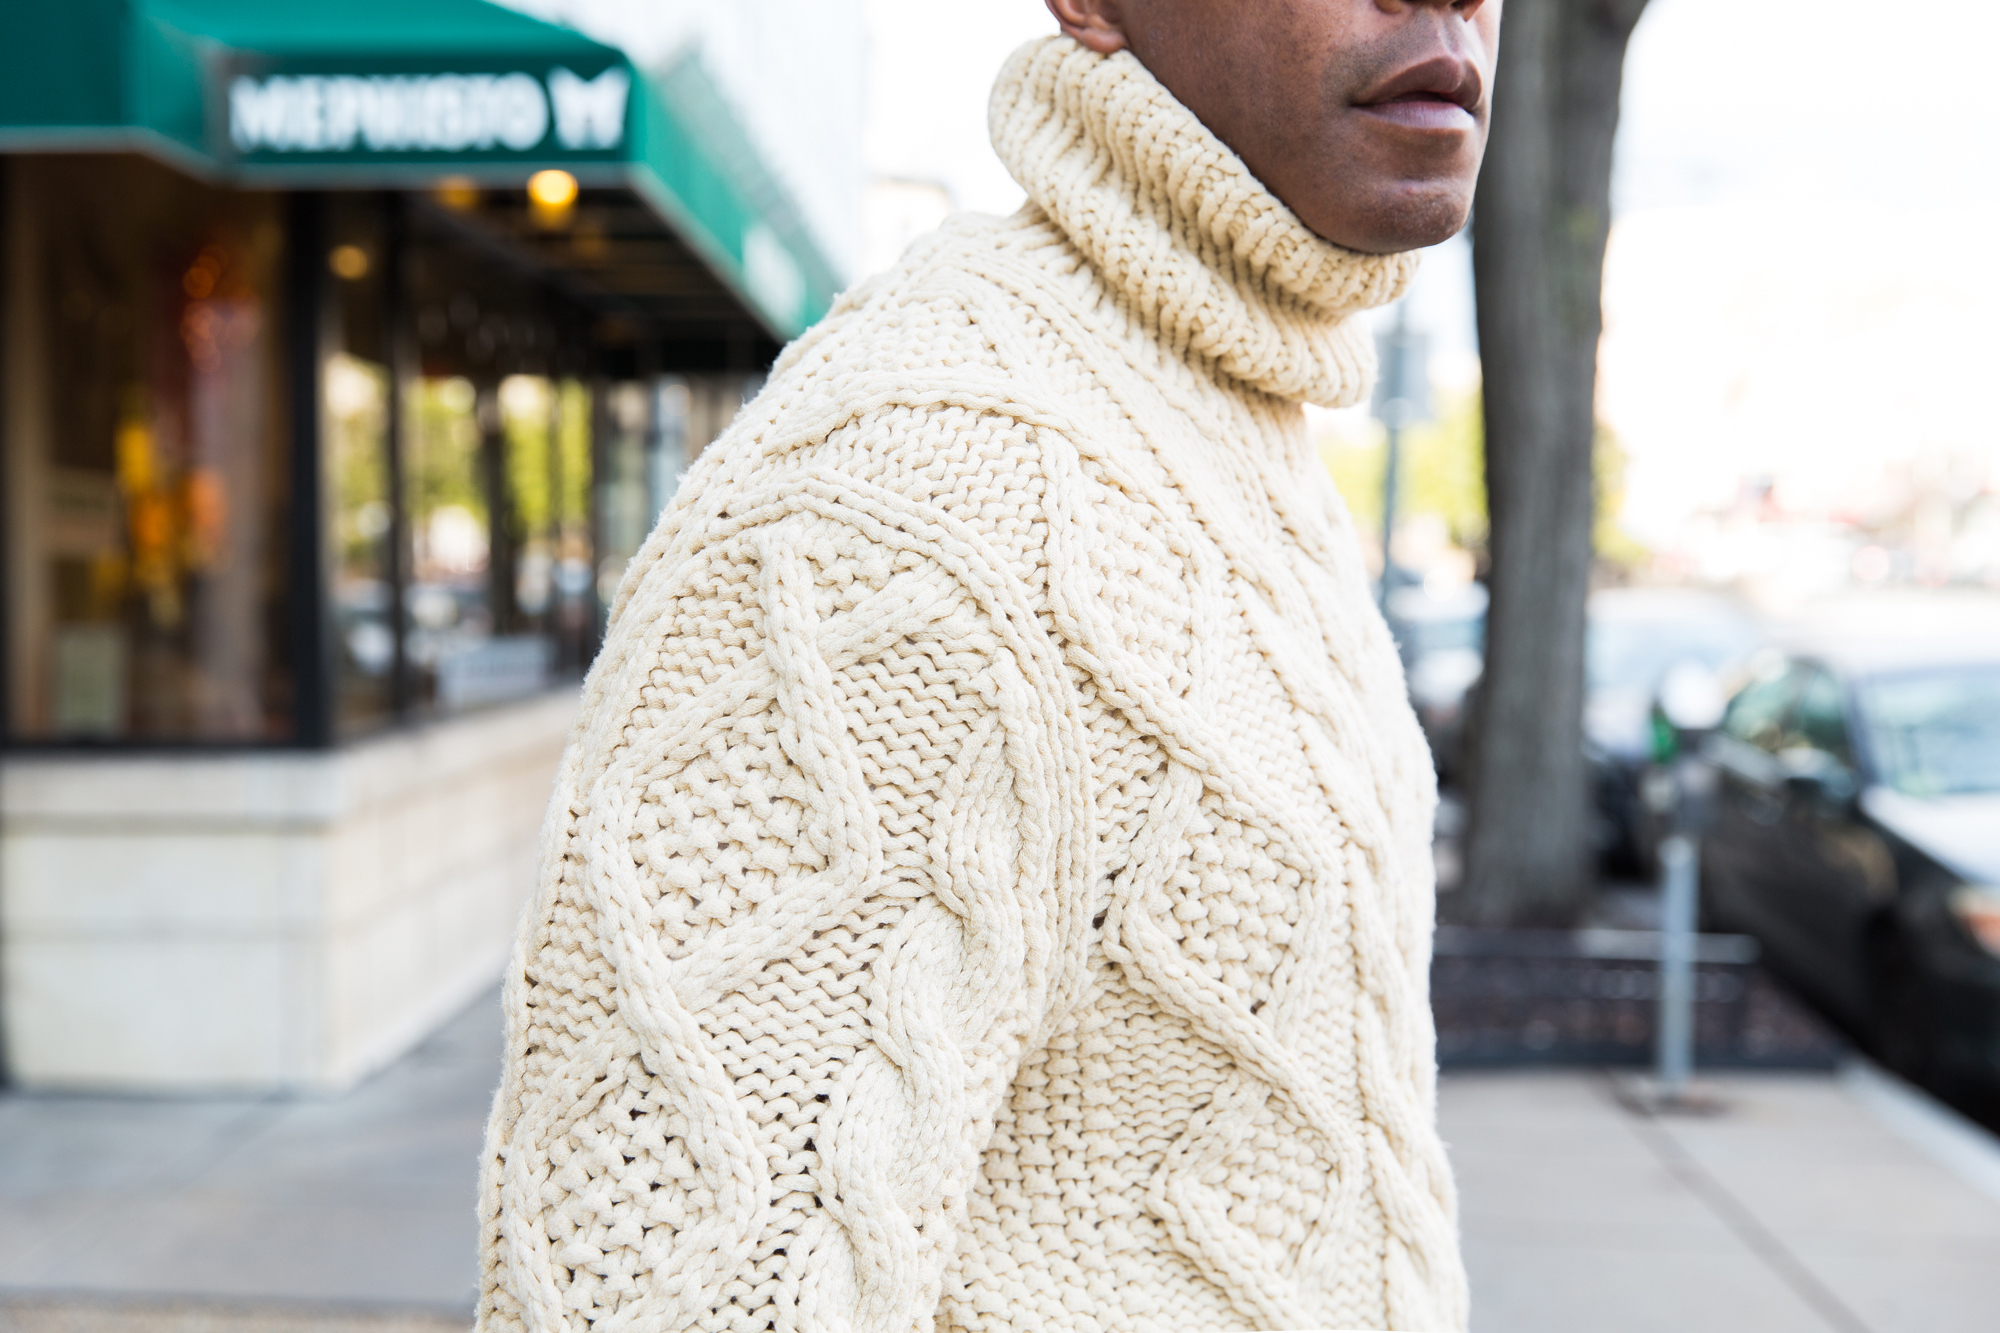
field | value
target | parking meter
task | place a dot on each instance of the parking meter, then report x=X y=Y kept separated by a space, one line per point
x=1690 y=706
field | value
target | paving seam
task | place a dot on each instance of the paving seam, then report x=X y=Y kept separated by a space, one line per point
x=1737 y=1216
x=230 y=1305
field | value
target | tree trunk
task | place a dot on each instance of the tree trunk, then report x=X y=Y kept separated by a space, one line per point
x=1540 y=222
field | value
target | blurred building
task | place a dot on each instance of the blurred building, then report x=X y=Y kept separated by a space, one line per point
x=791 y=72
x=348 y=350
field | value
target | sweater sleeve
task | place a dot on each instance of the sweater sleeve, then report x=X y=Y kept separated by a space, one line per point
x=808 y=886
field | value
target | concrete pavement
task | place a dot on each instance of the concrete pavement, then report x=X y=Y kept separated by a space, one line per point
x=252 y=1216
x=1814 y=1203
x=1811 y=1203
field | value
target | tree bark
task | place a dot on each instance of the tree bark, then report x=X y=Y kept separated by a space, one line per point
x=1540 y=222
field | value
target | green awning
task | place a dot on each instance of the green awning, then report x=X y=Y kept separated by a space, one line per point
x=332 y=94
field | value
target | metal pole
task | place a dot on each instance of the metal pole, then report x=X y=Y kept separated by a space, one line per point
x=1394 y=409
x=500 y=526
x=1391 y=465
x=552 y=534
x=399 y=351
x=314 y=669
x=1679 y=859
x=599 y=387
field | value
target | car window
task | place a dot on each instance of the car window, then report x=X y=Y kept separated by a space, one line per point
x=1420 y=638
x=1819 y=719
x=1756 y=715
x=1936 y=732
x=1621 y=654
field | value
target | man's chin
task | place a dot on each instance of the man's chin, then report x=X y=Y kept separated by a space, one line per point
x=1398 y=223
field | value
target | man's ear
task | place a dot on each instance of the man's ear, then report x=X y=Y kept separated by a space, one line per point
x=1098 y=24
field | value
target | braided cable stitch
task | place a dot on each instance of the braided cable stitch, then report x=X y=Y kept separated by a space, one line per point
x=988 y=885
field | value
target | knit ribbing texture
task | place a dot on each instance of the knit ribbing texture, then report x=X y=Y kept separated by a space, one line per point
x=988 y=887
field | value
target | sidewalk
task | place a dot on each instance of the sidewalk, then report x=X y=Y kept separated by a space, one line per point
x=1814 y=1204
x=348 y=1215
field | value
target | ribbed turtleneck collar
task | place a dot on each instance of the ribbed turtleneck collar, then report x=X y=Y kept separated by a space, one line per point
x=1206 y=257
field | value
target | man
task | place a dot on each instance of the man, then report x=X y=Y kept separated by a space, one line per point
x=989 y=885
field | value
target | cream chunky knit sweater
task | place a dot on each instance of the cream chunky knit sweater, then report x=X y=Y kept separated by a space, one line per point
x=989 y=885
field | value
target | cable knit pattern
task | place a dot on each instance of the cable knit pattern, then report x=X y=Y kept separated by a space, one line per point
x=988 y=888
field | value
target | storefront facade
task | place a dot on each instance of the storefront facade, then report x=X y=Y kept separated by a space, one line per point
x=347 y=353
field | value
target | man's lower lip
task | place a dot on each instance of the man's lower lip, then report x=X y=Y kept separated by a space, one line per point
x=1423 y=115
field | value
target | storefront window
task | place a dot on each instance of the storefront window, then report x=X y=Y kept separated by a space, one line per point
x=356 y=466
x=625 y=486
x=546 y=532
x=146 y=463
x=486 y=452
x=654 y=430
x=361 y=526
x=461 y=542
x=572 y=616
x=449 y=602
x=498 y=485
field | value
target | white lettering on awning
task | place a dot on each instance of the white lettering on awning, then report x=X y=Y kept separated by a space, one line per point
x=590 y=113
x=444 y=113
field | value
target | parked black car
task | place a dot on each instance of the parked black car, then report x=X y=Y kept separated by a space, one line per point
x=1635 y=639
x=1441 y=635
x=1857 y=836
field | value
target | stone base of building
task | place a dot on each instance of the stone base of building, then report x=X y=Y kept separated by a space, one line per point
x=263 y=921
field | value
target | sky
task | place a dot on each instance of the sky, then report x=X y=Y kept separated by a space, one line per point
x=930 y=65
x=1800 y=275
x=791 y=70
x=1801 y=278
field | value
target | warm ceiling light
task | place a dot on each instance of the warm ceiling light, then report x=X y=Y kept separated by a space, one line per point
x=458 y=193
x=349 y=262
x=552 y=189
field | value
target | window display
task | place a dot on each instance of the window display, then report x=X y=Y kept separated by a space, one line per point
x=189 y=371
x=147 y=472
